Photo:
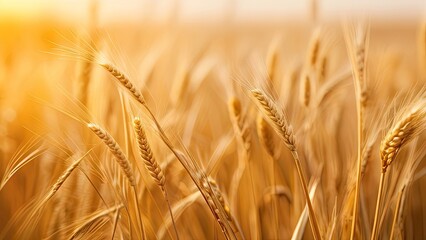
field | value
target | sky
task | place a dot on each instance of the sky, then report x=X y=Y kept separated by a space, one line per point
x=196 y=10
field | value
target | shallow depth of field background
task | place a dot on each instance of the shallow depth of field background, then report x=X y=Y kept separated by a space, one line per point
x=188 y=59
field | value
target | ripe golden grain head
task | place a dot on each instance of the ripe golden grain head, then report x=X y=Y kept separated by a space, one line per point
x=276 y=118
x=115 y=150
x=401 y=132
x=145 y=151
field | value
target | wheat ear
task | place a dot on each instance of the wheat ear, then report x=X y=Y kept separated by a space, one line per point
x=322 y=71
x=64 y=176
x=314 y=48
x=410 y=125
x=151 y=164
x=305 y=90
x=122 y=161
x=148 y=158
x=283 y=129
x=124 y=80
x=215 y=198
x=278 y=122
x=115 y=150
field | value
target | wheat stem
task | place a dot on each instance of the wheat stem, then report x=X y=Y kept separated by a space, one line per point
x=170 y=212
x=122 y=161
x=374 y=234
x=282 y=128
x=358 y=61
x=114 y=229
x=151 y=164
x=275 y=200
x=397 y=210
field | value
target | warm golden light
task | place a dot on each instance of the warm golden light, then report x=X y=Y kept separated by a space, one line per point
x=229 y=119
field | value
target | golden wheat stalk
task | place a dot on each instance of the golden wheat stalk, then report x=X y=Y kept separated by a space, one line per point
x=358 y=56
x=401 y=133
x=242 y=130
x=284 y=130
x=122 y=161
x=151 y=164
x=64 y=176
x=266 y=138
x=124 y=80
x=278 y=121
x=397 y=212
x=216 y=202
x=115 y=150
x=404 y=130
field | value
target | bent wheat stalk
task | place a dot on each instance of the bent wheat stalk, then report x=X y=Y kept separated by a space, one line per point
x=285 y=131
x=152 y=165
x=122 y=161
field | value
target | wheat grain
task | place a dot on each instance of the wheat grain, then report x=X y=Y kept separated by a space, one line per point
x=277 y=119
x=151 y=164
x=125 y=81
x=400 y=134
x=115 y=150
x=402 y=131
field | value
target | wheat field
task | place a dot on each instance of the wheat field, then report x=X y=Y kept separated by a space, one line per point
x=303 y=129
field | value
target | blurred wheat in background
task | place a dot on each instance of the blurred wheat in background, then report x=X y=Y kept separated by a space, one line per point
x=233 y=120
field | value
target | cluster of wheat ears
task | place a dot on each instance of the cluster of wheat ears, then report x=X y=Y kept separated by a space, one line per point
x=215 y=135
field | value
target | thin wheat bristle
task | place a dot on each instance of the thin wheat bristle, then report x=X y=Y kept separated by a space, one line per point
x=151 y=164
x=125 y=81
x=277 y=119
x=266 y=137
x=115 y=150
x=402 y=132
